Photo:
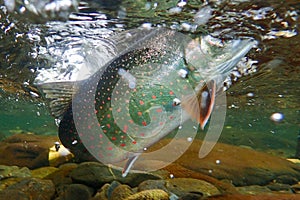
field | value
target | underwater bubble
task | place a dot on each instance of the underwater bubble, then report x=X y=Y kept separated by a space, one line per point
x=250 y=94
x=277 y=117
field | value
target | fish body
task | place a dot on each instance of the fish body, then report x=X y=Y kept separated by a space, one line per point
x=158 y=80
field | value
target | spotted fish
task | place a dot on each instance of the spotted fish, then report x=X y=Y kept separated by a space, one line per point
x=140 y=95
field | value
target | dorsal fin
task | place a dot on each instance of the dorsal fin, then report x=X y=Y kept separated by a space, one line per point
x=200 y=106
x=58 y=96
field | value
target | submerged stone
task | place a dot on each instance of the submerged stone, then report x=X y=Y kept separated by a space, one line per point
x=149 y=195
x=74 y=192
x=96 y=174
x=240 y=166
x=183 y=186
x=29 y=188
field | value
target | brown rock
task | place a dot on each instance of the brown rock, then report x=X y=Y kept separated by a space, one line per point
x=121 y=192
x=255 y=197
x=29 y=188
x=149 y=195
x=62 y=175
x=102 y=193
x=181 y=186
x=241 y=166
x=43 y=172
x=26 y=150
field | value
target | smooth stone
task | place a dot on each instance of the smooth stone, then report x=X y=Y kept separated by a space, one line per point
x=182 y=186
x=296 y=188
x=96 y=174
x=74 y=192
x=7 y=182
x=241 y=166
x=191 y=196
x=111 y=188
x=30 y=188
x=153 y=184
x=101 y=193
x=62 y=175
x=155 y=194
x=121 y=192
x=255 y=197
x=13 y=172
x=254 y=189
x=43 y=172
x=279 y=187
x=286 y=179
x=27 y=150
x=14 y=194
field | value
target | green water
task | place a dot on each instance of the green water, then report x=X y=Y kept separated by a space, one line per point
x=275 y=85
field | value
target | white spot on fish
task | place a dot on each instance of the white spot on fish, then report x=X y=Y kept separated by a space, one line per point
x=218 y=162
x=183 y=73
x=171 y=175
x=128 y=77
x=189 y=139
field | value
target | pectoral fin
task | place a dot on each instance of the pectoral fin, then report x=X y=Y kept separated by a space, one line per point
x=129 y=164
x=200 y=106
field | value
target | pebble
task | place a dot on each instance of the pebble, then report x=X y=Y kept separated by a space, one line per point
x=29 y=188
x=13 y=171
x=149 y=195
x=153 y=184
x=121 y=192
x=181 y=186
x=286 y=179
x=96 y=174
x=74 y=192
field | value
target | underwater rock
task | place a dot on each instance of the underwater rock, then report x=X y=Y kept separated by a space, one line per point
x=286 y=179
x=149 y=195
x=43 y=172
x=62 y=175
x=13 y=172
x=183 y=186
x=26 y=150
x=29 y=188
x=296 y=188
x=102 y=193
x=153 y=184
x=279 y=187
x=121 y=192
x=255 y=197
x=111 y=188
x=74 y=192
x=254 y=190
x=96 y=174
x=241 y=166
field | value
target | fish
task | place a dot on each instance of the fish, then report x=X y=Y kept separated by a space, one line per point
x=153 y=82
